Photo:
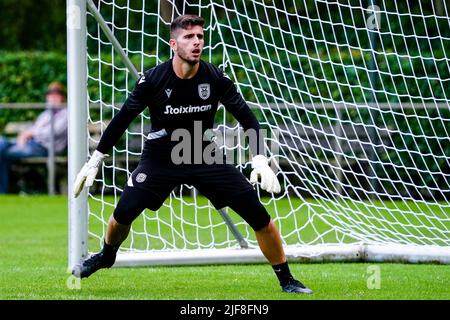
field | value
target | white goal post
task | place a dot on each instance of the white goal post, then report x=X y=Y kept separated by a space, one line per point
x=354 y=97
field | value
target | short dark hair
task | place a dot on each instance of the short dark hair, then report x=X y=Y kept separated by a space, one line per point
x=56 y=87
x=185 y=21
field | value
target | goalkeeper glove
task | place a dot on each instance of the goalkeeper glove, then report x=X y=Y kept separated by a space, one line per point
x=87 y=174
x=269 y=180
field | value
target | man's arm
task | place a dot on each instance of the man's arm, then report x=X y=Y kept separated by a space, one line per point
x=132 y=107
x=235 y=104
x=23 y=138
x=41 y=123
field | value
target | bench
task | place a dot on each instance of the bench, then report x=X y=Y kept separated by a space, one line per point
x=56 y=167
x=303 y=141
x=340 y=152
x=12 y=129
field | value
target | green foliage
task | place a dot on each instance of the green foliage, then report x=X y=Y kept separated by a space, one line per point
x=24 y=77
x=33 y=25
x=327 y=76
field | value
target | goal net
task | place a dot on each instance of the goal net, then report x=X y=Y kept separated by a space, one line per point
x=354 y=99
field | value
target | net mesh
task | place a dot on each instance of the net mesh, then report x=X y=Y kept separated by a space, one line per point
x=354 y=98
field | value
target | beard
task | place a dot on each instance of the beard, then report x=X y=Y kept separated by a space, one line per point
x=185 y=57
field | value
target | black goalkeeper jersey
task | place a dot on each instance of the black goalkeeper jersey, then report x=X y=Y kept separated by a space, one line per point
x=177 y=103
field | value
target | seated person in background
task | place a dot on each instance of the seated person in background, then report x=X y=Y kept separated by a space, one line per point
x=35 y=142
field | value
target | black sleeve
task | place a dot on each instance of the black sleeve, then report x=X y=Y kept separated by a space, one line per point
x=235 y=104
x=132 y=107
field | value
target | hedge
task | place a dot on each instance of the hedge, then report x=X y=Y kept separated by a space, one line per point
x=24 y=77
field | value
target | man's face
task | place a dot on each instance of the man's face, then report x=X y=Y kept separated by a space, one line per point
x=188 y=44
x=54 y=98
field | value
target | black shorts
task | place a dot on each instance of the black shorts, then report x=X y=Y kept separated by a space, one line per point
x=152 y=182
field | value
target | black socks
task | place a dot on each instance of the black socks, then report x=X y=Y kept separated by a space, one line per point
x=110 y=251
x=283 y=273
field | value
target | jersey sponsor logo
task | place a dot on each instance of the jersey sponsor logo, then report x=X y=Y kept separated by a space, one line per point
x=168 y=92
x=141 y=177
x=186 y=109
x=204 y=91
x=142 y=79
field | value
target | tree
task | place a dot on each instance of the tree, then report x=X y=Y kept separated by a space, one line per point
x=33 y=25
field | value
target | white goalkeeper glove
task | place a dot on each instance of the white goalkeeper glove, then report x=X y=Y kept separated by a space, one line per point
x=86 y=176
x=269 y=180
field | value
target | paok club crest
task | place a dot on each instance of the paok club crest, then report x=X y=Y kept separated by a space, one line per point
x=204 y=91
x=141 y=177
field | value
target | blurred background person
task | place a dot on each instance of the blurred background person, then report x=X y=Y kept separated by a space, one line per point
x=37 y=140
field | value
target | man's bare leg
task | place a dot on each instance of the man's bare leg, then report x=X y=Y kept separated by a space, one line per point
x=116 y=232
x=269 y=241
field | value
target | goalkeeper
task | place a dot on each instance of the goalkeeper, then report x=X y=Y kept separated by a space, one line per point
x=182 y=92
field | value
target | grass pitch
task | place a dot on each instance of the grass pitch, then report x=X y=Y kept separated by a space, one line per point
x=33 y=265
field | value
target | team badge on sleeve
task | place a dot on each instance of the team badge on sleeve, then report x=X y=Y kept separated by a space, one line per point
x=141 y=177
x=204 y=91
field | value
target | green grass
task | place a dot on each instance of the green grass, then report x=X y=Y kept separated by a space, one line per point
x=33 y=265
